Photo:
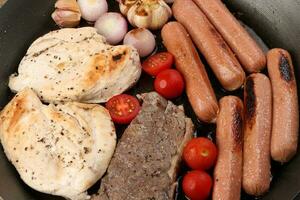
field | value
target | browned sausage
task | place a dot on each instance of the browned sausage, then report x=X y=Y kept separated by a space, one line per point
x=219 y=56
x=285 y=127
x=248 y=52
x=257 y=134
x=198 y=87
x=229 y=135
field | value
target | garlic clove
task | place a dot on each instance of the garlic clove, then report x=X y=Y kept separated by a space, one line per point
x=65 y=18
x=67 y=5
x=67 y=13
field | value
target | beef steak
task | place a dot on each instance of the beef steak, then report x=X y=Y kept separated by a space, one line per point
x=147 y=156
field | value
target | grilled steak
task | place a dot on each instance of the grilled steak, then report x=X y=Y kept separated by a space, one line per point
x=147 y=156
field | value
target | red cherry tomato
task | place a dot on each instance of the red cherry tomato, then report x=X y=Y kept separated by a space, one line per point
x=200 y=153
x=157 y=63
x=197 y=185
x=169 y=83
x=123 y=108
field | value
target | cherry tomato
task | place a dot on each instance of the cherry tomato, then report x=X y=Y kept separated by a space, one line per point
x=157 y=63
x=169 y=83
x=123 y=108
x=197 y=185
x=200 y=153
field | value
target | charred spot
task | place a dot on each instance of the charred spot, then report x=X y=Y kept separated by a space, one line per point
x=142 y=12
x=250 y=99
x=117 y=57
x=285 y=69
x=237 y=126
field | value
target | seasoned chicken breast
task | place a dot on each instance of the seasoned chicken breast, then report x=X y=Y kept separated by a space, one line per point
x=57 y=149
x=76 y=65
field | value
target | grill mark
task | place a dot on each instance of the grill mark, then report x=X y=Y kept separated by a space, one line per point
x=250 y=102
x=237 y=126
x=285 y=68
x=220 y=40
x=43 y=51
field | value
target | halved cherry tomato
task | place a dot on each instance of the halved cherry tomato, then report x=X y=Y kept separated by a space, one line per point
x=169 y=83
x=197 y=185
x=157 y=63
x=123 y=108
x=200 y=153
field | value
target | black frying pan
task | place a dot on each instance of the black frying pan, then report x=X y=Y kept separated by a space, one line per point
x=277 y=22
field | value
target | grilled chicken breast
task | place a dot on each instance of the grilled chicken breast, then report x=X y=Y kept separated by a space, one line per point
x=147 y=157
x=76 y=65
x=57 y=149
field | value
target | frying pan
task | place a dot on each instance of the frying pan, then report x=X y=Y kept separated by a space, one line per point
x=277 y=22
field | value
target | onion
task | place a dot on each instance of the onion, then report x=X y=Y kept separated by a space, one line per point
x=113 y=26
x=142 y=39
x=91 y=10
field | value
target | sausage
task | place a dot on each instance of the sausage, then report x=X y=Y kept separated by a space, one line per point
x=257 y=134
x=285 y=128
x=219 y=56
x=243 y=45
x=198 y=88
x=229 y=137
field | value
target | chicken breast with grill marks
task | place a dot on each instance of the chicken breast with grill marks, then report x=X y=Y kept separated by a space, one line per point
x=76 y=65
x=57 y=149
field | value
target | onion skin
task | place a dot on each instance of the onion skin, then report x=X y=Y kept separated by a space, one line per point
x=91 y=10
x=113 y=26
x=142 y=39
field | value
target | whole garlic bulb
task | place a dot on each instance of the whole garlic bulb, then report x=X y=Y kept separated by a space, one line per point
x=67 y=13
x=151 y=14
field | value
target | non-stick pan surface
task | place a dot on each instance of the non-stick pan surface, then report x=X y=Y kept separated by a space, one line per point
x=277 y=22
